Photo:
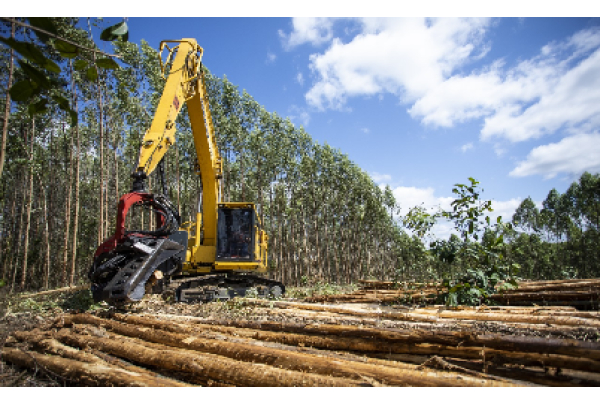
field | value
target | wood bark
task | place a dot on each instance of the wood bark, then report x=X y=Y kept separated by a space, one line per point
x=92 y=374
x=368 y=339
x=280 y=358
x=28 y=215
x=209 y=365
x=47 y=263
x=7 y=103
x=76 y=194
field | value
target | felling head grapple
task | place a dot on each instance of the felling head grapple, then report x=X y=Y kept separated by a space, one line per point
x=126 y=261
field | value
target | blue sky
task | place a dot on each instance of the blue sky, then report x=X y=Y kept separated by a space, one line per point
x=420 y=103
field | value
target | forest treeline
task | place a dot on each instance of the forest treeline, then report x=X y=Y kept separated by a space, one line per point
x=327 y=220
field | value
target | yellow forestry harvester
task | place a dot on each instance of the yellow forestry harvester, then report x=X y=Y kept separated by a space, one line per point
x=216 y=257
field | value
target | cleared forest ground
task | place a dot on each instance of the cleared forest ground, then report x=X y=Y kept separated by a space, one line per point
x=254 y=342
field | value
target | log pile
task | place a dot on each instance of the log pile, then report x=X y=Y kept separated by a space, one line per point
x=333 y=346
x=386 y=292
x=579 y=292
x=583 y=293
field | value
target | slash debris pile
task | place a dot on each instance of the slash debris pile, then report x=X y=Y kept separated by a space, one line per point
x=299 y=344
x=583 y=293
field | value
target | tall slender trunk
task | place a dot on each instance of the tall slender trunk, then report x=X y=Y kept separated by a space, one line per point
x=242 y=177
x=76 y=197
x=9 y=238
x=7 y=104
x=28 y=215
x=46 y=237
x=63 y=272
x=101 y=231
x=18 y=244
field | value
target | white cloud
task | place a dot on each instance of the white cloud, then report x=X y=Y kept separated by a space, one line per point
x=381 y=178
x=314 y=30
x=571 y=101
x=572 y=155
x=505 y=208
x=365 y=130
x=559 y=88
x=407 y=57
x=271 y=57
x=424 y=62
x=300 y=78
x=466 y=147
x=299 y=115
x=409 y=197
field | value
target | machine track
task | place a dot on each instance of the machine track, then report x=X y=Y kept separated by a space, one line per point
x=221 y=286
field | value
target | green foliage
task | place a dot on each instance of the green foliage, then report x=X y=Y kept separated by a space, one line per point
x=66 y=49
x=115 y=32
x=419 y=221
x=40 y=73
x=80 y=301
x=485 y=260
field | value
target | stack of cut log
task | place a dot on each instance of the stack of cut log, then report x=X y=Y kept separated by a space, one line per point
x=575 y=292
x=583 y=293
x=432 y=346
x=385 y=292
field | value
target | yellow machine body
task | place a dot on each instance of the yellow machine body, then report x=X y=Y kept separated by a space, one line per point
x=185 y=84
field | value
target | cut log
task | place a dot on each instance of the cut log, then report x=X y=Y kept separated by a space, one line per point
x=590 y=285
x=518 y=318
x=557 y=282
x=368 y=339
x=535 y=375
x=205 y=365
x=91 y=374
x=561 y=295
x=569 y=347
x=283 y=359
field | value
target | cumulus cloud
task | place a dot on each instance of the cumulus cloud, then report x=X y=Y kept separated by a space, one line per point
x=380 y=178
x=466 y=147
x=407 y=57
x=558 y=88
x=572 y=155
x=300 y=78
x=425 y=63
x=314 y=30
x=569 y=99
x=409 y=197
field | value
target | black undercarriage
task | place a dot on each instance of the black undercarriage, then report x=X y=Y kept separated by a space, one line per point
x=129 y=271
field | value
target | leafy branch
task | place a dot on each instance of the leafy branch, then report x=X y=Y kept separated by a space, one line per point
x=39 y=87
x=62 y=39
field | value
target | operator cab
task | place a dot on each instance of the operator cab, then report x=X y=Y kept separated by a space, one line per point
x=236 y=232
